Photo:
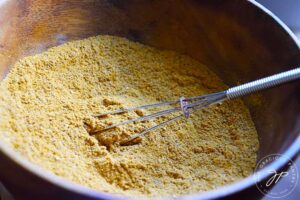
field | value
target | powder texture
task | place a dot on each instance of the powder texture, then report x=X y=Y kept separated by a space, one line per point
x=48 y=102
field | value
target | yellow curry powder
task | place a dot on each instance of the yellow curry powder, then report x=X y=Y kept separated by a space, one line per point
x=48 y=102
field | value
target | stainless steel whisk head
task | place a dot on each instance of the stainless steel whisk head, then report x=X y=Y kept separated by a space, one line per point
x=186 y=106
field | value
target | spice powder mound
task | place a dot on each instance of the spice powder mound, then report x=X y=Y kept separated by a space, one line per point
x=48 y=102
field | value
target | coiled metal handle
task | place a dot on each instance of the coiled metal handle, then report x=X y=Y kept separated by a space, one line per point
x=263 y=83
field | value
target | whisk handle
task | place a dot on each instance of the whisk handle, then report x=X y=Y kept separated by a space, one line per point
x=264 y=83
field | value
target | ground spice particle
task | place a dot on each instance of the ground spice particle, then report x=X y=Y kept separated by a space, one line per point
x=48 y=100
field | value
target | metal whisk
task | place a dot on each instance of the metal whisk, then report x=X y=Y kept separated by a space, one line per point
x=186 y=106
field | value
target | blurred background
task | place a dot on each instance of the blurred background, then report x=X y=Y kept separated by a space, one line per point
x=287 y=10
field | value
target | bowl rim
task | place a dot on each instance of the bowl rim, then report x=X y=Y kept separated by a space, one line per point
x=220 y=192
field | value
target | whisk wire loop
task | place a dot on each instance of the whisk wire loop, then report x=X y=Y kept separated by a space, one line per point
x=186 y=106
x=192 y=104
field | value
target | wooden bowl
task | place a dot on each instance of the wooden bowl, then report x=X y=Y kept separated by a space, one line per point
x=239 y=40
